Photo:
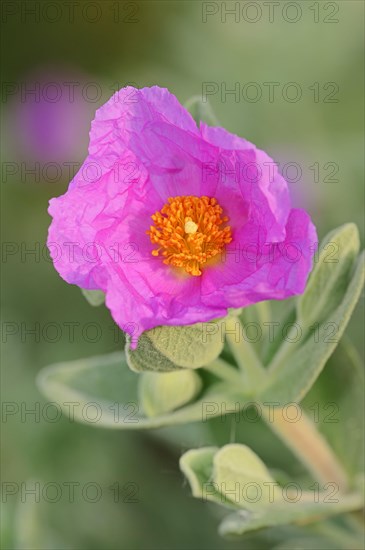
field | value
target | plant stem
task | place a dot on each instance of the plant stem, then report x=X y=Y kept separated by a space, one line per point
x=284 y=351
x=224 y=370
x=243 y=353
x=301 y=436
x=308 y=445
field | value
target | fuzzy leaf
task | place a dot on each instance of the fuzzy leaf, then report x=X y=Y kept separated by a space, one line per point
x=243 y=521
x=293 y=378
x=168 y=348
x=101 y=391
x=226 y=477
x=160 y=393
x=197 y=466
x=243 y=478
x=94 y=297
x=330 y=277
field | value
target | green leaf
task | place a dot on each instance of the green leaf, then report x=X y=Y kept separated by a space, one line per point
x=168 y=348
x=294 y=375
x=201 y=111
x=243 y=521
x=94 y=297
x=163 y=392
x=101 y=391
x=243 y=478
x=197 y=466
x=336 y=404
x=235 y=476
x=272 y=345
x=330 y=277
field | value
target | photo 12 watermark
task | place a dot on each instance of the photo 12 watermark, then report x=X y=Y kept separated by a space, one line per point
x=271 y=92
x=254 y=12
x=70 y=12
x=70 y=492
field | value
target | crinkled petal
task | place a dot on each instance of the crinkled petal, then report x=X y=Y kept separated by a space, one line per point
x=256 y=271
x=144 y=148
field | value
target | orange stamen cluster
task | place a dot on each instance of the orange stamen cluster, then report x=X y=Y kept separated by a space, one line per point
x=188 y=232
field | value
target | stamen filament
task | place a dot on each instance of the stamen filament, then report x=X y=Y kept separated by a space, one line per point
x=189 y=232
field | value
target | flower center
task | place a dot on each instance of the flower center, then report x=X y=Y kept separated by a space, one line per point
x=188 y=232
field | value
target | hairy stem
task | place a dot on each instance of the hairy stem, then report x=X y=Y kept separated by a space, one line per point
x=224 y=370
x=301 y=436
x=308 y=445
x=284 y=352
x=243 y=353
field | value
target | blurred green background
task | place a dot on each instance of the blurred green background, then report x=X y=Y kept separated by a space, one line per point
x=99 y=47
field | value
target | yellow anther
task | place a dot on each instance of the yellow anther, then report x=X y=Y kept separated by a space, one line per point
x=188 y=231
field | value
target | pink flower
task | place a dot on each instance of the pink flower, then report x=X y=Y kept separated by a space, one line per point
x=174 y=222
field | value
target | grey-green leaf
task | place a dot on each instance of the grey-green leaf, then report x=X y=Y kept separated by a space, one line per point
x=330 y=277
x=242 y=477
x=236 y=477
x=160 y=393
x=94 y=297
x=168 y=348
x=103 y=392
x=243 y=521
x=197 y=466
x=295 y=375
